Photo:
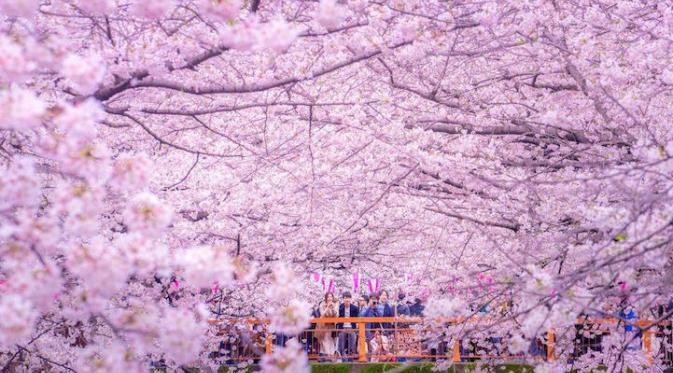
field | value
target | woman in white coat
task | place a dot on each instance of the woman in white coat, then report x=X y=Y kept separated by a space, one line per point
x=325 y=331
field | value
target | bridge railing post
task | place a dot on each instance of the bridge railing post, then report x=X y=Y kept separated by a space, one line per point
x=362 y=342
x=268 y=343
x=550 y=345
x=455 y=357
x=647 y=345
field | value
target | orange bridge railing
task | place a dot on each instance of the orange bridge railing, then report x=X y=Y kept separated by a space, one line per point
x=391 y=338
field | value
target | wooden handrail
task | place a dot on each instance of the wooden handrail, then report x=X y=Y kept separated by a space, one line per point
x=360 y=327
x=329 y=320
x=413 y=320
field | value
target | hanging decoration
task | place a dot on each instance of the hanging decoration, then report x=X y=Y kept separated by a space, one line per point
x=374 y=285
x=325 y=283
x=356 y=282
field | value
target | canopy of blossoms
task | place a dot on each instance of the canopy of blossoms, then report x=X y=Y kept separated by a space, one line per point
x=163 y=162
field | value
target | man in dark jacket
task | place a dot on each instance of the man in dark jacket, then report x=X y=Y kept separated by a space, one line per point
x=416 y=309
x=384 y=309
x=347 y=329
x=401 y=309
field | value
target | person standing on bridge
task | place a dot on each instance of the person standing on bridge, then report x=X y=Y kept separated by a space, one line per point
x=384 y=309
x=363 y=305
x=402 y=308
x=324 y=331
x=364 y=311
x=417 y=308
x=404 y=340
x=347 y=329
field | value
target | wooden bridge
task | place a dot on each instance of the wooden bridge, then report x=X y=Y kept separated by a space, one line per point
x=408 y=338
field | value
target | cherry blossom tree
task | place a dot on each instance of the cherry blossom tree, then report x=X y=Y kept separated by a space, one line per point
x=166 y=162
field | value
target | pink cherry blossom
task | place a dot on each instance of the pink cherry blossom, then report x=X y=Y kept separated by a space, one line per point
x=204 y=265
x=330 y=14
x=96 y=7
x=151 y=9
x=19 y=317
x=518 y=344
x=445 y=308
x=83 y=73
x=291 y=319
x=536 y=322
x=147 y=213
x=285 y=284
x=515 y=157
x=131 y=172
x=667 y=76
x=113 y=358
x=20 y=109
x=290 y=358
x=38 y=288
x=180 y=335
x=276 y=35
x=13 y=63
x=100 y=267
x=221 y=10
x=80 y=121
x=27 y=8
x=20 y=185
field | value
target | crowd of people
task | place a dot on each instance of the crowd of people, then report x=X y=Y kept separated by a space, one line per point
x=340 y=340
